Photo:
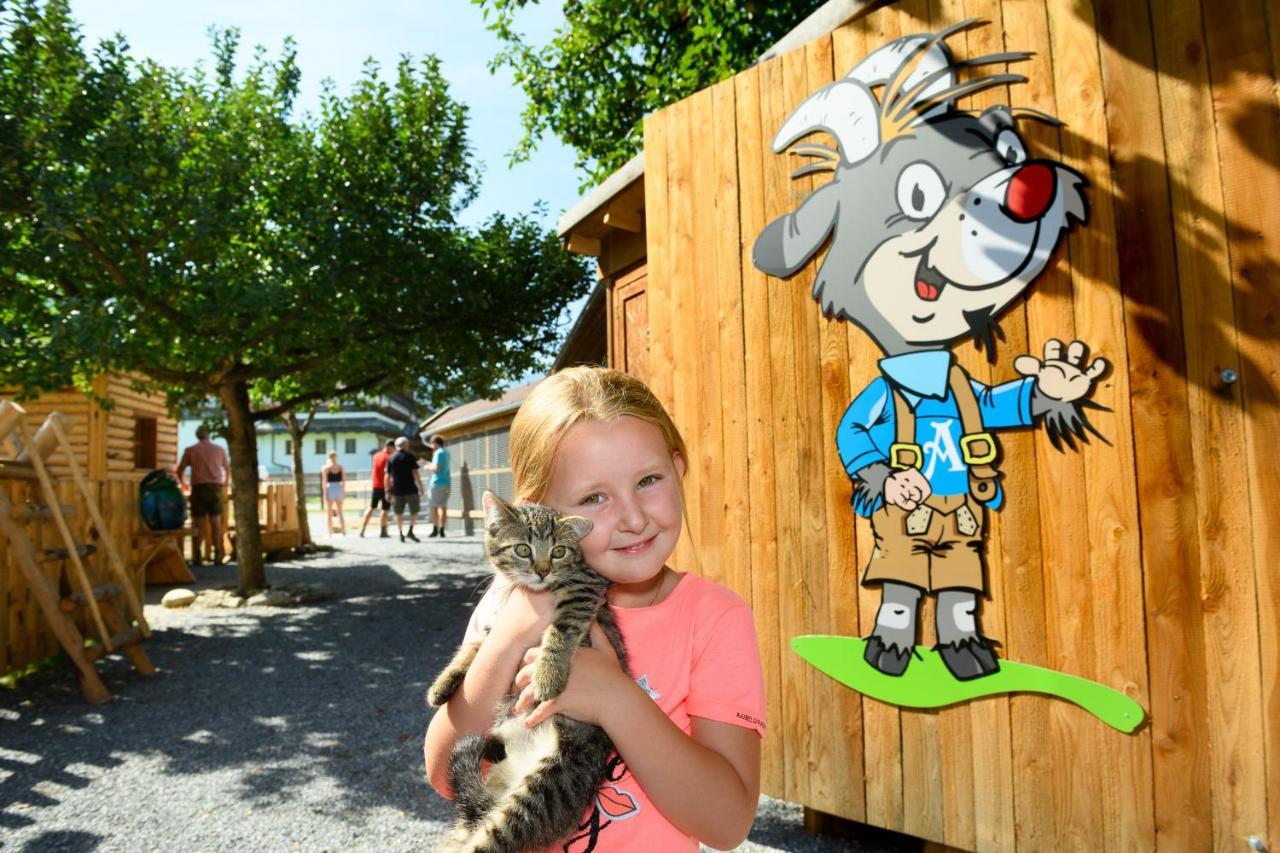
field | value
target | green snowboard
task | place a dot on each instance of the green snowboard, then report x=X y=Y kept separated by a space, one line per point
x=928 y=684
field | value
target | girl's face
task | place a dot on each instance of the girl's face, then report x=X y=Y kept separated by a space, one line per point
x=621 y=476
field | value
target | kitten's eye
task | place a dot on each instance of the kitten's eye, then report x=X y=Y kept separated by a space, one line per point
x=558 y=552
x=523 y=550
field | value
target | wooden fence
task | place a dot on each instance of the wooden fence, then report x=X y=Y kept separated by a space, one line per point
x=1148 y=564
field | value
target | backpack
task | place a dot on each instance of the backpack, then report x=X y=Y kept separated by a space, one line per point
x=161 y=502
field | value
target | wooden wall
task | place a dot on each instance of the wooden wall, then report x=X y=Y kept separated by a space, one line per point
x=1148 y=564
x=105 y=440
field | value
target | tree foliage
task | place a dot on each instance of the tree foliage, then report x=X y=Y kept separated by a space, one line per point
x=186 y=226
x=614 y=62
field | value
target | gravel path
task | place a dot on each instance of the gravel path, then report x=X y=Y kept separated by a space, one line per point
x=270 y=728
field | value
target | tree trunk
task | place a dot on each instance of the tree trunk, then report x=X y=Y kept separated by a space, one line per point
x=297 y=432
x=243 y=442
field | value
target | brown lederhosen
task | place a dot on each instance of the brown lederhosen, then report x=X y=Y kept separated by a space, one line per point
x=940 y=544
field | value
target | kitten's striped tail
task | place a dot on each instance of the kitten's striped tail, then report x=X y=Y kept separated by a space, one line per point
x=470 y=796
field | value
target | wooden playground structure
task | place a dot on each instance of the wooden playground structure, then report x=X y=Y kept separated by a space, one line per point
x=75 y=554
x=105 y=606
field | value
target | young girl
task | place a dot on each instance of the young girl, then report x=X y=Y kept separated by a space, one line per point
x=333 y=481
x=596 y=443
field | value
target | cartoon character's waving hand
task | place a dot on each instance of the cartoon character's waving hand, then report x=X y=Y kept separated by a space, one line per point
x=1063 y=384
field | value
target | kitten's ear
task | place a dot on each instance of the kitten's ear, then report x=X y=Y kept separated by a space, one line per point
x=578 y=526
x=496 y=510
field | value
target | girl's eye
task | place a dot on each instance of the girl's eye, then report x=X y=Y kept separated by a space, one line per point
x=558 y=552
x=524 y=551
x=591 y=500
x=649 y=480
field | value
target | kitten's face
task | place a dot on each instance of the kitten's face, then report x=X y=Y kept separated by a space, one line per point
x=530 y=544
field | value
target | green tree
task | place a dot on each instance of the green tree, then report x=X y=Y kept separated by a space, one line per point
x=182 y=224
x=614 y=62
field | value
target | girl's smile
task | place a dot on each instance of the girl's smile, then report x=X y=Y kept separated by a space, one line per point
x=622 y=476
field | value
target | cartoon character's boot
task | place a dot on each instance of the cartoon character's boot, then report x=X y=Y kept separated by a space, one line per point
x=966 y=653
x=891 y=644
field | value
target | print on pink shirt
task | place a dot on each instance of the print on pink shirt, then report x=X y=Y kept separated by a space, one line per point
x=611 y=802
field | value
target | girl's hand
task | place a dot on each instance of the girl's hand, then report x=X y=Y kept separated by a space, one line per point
x=524 y=617
x=593 y=680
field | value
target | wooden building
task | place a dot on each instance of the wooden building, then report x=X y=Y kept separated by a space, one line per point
x=134 y=436
x=115 y=449
x=1148 y=564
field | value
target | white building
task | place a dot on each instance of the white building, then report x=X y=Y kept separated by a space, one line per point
x=354 y=434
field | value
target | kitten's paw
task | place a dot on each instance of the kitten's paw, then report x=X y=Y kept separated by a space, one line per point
x=439 y=693
x=549 y=681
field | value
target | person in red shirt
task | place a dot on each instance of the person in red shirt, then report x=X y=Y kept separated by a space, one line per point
x=379 y=488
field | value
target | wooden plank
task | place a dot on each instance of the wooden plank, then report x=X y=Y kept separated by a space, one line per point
x=921 y=730
x=735 y=477
x=1158 y=406
x=753 y=147
x=881 y=724
x=704 y=347
x=1217 y=425
x=680 y=300
x=1112 y=514
x=837 y=755
x=1055 y=805
x=781 y=89
x=822 y=377
x=1243 y=78
x=977 y=751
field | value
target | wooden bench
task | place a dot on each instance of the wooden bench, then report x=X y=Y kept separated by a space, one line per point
x=161 y=556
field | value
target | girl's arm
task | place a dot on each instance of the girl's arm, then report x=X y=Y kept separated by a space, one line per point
x=518 y=625
x=707 y=783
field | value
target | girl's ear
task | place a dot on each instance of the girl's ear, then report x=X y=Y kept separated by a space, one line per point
x=496 y=510
x=578 y=526
x=678 y=460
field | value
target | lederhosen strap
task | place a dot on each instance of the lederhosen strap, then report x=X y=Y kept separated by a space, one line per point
x=978 y=447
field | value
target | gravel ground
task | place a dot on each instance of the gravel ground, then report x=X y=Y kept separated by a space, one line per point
x=270 y=728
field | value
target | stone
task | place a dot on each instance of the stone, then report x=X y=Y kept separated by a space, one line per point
x=178 y=598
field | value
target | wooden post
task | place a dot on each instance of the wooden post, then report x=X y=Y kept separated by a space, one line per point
x=51 y=498
x=104 y=533
x=44 y=442
x=10 y=414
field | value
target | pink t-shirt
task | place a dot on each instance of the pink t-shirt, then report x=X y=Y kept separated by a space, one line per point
x=696 y=654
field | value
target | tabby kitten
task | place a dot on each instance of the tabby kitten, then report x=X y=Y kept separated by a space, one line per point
x=542 y=779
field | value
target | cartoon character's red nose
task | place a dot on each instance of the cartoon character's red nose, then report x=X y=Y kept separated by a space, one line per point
x=1030 y=192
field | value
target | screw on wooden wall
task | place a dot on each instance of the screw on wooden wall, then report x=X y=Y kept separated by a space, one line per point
x=1229 y=377
x=1256 y=844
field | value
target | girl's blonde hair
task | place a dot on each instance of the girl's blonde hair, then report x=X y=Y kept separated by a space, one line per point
x=570 y=397
x=333 y=456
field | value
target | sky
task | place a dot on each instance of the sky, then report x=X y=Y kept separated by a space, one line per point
x=333 y=41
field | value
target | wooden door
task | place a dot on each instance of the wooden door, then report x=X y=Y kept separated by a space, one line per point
x=629 y=343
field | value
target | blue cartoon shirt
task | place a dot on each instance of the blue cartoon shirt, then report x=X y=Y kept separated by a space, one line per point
x=867 y=428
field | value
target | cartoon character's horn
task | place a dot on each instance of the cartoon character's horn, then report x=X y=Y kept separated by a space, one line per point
x=845 y=109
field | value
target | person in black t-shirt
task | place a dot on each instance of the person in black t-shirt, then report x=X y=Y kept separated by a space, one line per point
x=405 y=486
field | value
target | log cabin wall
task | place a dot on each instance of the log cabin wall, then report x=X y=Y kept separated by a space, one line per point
x=1148 y=564
x=134 y=437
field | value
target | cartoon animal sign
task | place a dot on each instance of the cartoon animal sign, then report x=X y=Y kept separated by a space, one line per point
x=937 y=221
